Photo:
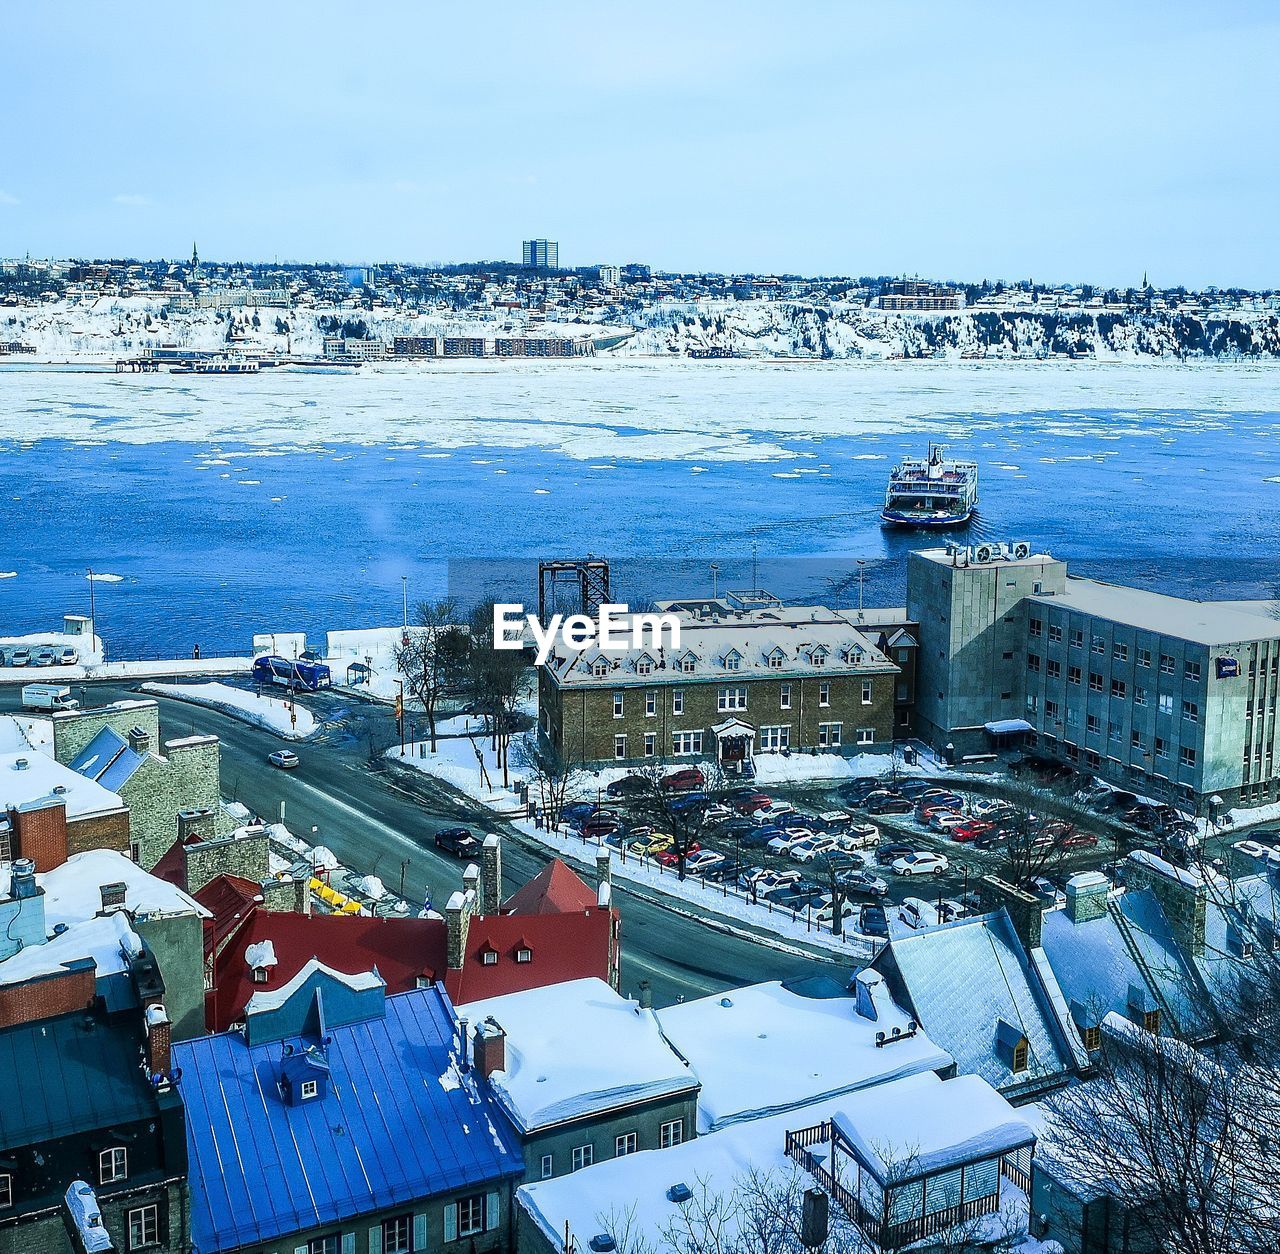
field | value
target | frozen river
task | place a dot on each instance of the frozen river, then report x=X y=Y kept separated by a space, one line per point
x=299 y=499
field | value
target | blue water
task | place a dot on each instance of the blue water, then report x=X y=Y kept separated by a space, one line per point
x=208 y=556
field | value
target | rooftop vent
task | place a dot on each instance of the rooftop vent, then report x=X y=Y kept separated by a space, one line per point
x=113 y=894
x=602 y=1242
x=21 y=764
x=679 y=1193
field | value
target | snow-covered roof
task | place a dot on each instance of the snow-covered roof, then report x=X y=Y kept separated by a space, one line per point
x=20 y=734
x=108 y=941
x=275 y=998
x=73 y=891
x=575 y=1049
x=29 y=775
x=921 y=1124
x=764 y=1049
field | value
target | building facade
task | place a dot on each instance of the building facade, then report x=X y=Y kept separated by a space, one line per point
x=749 y=676
x=541 y=254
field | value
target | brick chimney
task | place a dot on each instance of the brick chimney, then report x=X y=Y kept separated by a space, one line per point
x=1025 y=910
x=604 y=866
x=1183 y=896
x=159 y=1032
x=1087 y=896
x=457 y=920
x=490 y=1048
x=201 y=823
x=139 y=740
x=491 y=875
x=39 y=831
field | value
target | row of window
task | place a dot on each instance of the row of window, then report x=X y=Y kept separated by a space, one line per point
x=402 y=1234
x=670 y=1134
x=1119 y=650
x=729 y=699
x=772 y=740
x=1119 y=688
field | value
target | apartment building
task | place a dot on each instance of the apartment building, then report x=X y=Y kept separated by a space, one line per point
x=541 y=254
x=750 y=675
x=1172 y=697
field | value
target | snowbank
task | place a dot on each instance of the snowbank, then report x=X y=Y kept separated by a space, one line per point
x=272 y=713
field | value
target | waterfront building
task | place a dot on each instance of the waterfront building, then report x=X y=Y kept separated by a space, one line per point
x=913 y=294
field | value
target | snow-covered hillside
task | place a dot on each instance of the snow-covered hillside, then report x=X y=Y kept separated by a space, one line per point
x=840 y=330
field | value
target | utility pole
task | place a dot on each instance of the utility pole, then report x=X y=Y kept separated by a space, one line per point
x=715 y=574
x=400 y=714
x=755 y=568
x=404 y=591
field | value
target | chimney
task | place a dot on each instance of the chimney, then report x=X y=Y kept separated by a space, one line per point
x=199 y=823
x=1087 y=896
x=1183 y=896
x=113 y=895
x=646 y=996
x=490 y=1048
x=457 y=920
x=603 y=866
x=139 y=740
x=22 y=920
x=1025 y=910
x=471 y=885
x=491 y=875
x=39 y=831
x=159 y=1032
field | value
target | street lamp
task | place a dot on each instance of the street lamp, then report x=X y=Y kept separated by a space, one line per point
x=715 y=573
x=861 y=568
x=93 y=617
x=404 y=596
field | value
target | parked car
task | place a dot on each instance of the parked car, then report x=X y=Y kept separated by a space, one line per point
x=703 y=861
x=793 y=821
x=872 y=921
x=810 y=847
x=599 y=825
x=772 y=810
x=458 y=841
x=949 y=910
x=765 y=879
x=1045 y=888
x=577 y=811
x=825 y=912
x=945 y=821
x=784 y=842
x=628 y=786
x=20 y=657
x=917 y=913
x=864 y=883
x=45 y=657
x=832 y=822
x=992 y=839
x=68 y=657
x=890 y=805
x=1079 y=840
x=921 y=864
x=914 y=789
x=283 y=759
x=4 y=656
x=669 y=857
x=970 y=829
x=654 y=843
x=686 y=778
x=990 y=808
x=858 y=836
x=857 y=792
x=689 y=801
x=889 y=853
x=750 y=802
x=717 y=813
x=759 y=837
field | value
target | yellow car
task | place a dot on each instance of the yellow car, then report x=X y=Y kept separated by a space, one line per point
x=655 y=842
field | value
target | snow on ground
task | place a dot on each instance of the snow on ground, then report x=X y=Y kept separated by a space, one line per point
x=293 y=722
x=456 y=762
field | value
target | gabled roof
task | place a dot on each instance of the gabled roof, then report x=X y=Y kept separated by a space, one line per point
x=230 y=899
x=401 y=1121
x=963 y=979
x=556 y=889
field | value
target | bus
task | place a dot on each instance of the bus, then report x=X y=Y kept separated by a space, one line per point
x=308 y=676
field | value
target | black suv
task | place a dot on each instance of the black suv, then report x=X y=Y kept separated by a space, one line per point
x=457 y=841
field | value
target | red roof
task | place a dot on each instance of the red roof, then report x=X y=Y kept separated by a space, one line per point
x=230 y=900
x=554 y=890
x=173 y=866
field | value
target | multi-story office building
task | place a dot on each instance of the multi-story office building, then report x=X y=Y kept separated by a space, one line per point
x=1172 y=697
x=541 y=254
x=749 y=675
x=610 y=276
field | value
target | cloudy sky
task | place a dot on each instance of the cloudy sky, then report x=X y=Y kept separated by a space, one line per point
x=1091 y=141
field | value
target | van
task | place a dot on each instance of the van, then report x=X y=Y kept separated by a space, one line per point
x=48 y=697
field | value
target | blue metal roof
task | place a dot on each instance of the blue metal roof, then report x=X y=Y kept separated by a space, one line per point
x=399 y=1122
x=107 y=759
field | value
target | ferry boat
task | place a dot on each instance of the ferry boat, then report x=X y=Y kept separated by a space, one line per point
x=219 y=365
x=931 y=491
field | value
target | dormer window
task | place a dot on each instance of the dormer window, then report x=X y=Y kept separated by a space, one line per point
x=644 y=665
x=818 y=657
x=1020 y=1052
x=599 y=668
x=260 y=975
x=113 y=1165
x=524 y=954
x=310 y=1089
x=733 y=660
x=1151 y=1021
x=1092 y=1038
x=776 y=658
x=687 y=663
x=489 y=957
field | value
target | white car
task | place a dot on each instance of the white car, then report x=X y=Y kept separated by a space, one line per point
x=718 y=814
x=944 y=820
x=284 y=759
x=765 y=881
x=774 y=810
x=702 y=861
x=986 y=807
x=825 y=913
x=812 y=847
x=788 y=841
x=923 y=863
x=858 y=836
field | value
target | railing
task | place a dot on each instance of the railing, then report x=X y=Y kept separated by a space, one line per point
x=921 y=1226
x=797 y=1150
x=1012 y=1172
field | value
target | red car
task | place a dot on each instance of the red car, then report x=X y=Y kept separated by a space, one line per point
x=925 y=812
x=971 y=830
x=749 y=805
x=684 y=780
x=669 y=857
x=1079 y=840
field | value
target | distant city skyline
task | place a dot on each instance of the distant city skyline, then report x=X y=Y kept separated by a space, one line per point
x=1001 y=142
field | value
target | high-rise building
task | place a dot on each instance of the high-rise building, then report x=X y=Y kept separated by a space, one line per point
x=542 y=254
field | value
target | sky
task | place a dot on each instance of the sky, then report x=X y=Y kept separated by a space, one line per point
x=1088 y=142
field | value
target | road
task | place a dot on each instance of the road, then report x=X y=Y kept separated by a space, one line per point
x=374 y=824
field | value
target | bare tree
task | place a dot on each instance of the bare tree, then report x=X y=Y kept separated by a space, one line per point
x=431 y=656
x=549 y=774
x=495 y=677
x=682 y=816
x=1041 y=827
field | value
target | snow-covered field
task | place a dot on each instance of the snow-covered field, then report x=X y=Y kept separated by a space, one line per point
x=272 y=713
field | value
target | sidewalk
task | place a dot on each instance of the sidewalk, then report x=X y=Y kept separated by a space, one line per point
x=160 y=668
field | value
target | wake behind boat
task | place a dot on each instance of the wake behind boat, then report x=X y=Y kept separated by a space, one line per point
x=931 y=491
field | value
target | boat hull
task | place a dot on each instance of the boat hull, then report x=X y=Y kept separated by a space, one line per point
x=925 y=522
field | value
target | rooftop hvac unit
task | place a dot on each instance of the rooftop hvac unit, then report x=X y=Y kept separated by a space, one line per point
x=984 y=553
x=1021 y=550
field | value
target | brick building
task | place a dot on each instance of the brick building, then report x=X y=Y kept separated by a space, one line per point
x=750 y=675
x=47 y=810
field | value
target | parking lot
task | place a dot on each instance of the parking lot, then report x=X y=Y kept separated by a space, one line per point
x=787 y=845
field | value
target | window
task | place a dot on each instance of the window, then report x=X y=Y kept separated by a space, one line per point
x=829 y=735
x=818 y=657
x=599 y=668
x=1139 y=696
x=1055 y=633
x=775 y=660
x=1077 y=639
x=1073 y=717
x=1151 y=1021
x=1162 y=747
x=620 y=747
x=1099 y=645
x=1191 y=671
x=1035 y=627
x=677 y=701
x=784 y=697
x=548 y=1166
x=1187 y=756
x=625 y=1144
x=671 y=1134
x=1033 y=662
x=685 y=743
x=489 y=957
x=261 y=975
x=144 y=1226
x=1135 y=739
x=1166 y=664
x=1118 y=688
x=824 y=694
x=733 y=661
x=524 y=954
x=651 y=744
x=113 y=1165
x=687 y=663
x=395 y=1235
x=1191 y=711
x=650 y=703
x=1020 y=1056
x=644 y=667
x=773 y=739
x=1165 y=703
x=617 y=704
x=1120 y=652
x=1095 y=682
x=1052 y=710
x=1092 y=1038
x=1073 y=674
x=1144 y=659
x=1092 y=723
x=323 y=1245
x=6 y=1190
x=583 y=1156
x=1007 y=655
x=1054 y=668
x=470 y=1216
x=866 y=735
x=310 y=1088
x=866 y=692
x=731 y=699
